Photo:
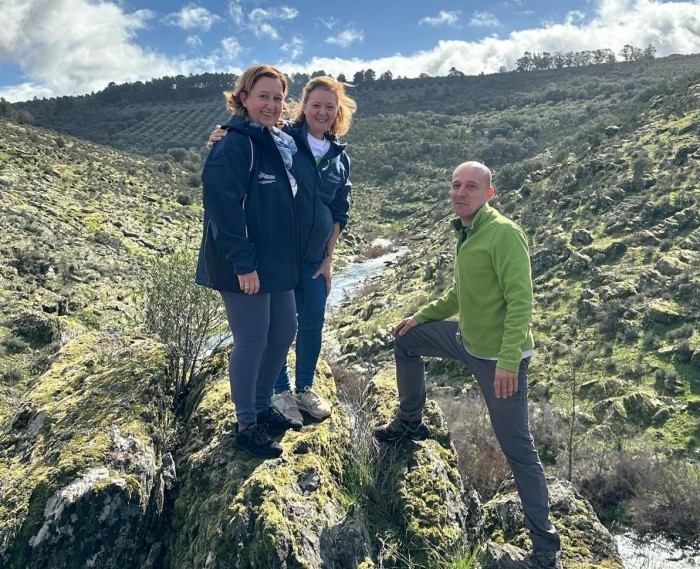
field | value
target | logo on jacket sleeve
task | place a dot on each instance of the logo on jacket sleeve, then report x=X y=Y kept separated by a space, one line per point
x=266 y=178
x=333 y=177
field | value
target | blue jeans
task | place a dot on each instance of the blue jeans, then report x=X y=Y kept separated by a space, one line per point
x=509 y=416
x=263 y=327
x=311 y=310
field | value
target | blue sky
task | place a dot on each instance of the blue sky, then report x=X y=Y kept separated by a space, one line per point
x=71 y=47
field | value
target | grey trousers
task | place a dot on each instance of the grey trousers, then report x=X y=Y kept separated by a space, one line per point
x=508 y=416
x=263 y=328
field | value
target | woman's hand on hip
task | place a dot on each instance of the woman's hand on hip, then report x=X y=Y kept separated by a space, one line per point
x=325 y=270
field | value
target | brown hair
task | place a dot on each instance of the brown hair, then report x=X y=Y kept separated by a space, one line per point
x=346 y=105
x=245 y=84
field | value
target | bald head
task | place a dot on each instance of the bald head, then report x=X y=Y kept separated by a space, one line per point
x=471 y=189
x=479 y=169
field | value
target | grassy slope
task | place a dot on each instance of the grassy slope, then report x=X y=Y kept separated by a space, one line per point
x=79 y=222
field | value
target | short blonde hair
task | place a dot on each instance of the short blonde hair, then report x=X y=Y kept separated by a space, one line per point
x=346 y=105
x=245 y=84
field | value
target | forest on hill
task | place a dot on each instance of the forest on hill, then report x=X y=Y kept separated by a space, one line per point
x=600 y=165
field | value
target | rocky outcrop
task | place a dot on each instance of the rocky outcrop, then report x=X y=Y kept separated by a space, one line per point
x=86 y=482
x=235 y=511
x=585 y=541
x=83 y=480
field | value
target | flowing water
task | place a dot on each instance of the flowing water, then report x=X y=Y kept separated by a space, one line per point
x=654 y=554
x=347 y=282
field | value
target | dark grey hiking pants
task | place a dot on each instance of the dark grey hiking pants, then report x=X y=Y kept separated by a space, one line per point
x=508 y=416
x=263 y=327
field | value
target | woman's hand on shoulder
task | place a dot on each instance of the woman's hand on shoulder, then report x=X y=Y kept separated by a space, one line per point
x=216 y=135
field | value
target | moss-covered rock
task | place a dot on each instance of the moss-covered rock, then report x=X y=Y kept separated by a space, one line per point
x=435 y=514
x=586 y=543
x=81 y=456
x=236 y=511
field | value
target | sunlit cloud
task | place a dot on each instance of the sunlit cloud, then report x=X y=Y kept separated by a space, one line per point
x=444 y=18
x=346 y=38
x=192 y=16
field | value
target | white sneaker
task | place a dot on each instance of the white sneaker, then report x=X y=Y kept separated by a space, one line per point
x=286 y=404
x=311 y=402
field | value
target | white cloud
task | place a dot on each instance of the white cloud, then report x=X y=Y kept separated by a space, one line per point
x=672 y=27
x=235 y=9
x=281 y=13
x=294 y=47
x=484 y=19
x=193 y=41
x=329 y=23
x=231 y=48
x=258 y=21
x=444 y=18
x=72 y=47
x=192 y=16
x=266 y=31
x=346 y=38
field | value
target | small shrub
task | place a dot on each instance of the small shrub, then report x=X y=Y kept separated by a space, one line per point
x=12 y=375
x=668 y=502
x=15 y=345
x=183 y=314
x=36 y=328
x=184 y=199
x=194 y=180
x=107 y=239
x=684 y=331
x=481 y=461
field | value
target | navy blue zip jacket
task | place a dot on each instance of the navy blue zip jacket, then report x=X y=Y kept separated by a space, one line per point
x=324 y=190
x=249 y=213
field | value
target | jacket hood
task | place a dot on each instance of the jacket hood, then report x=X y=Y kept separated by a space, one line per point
x=243 y=125
x=299 y=131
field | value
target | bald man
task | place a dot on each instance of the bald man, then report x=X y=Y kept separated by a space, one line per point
x=492 y=298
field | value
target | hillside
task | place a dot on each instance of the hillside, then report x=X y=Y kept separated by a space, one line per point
x=80 y=221
x=601 y=168
x=178 y=112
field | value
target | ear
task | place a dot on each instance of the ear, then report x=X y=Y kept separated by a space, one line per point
x=490 y=192
x=243 y=96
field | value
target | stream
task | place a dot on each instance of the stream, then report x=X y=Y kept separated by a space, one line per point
x=348 y=281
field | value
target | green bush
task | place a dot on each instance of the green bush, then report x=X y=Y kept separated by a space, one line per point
x=184 y=315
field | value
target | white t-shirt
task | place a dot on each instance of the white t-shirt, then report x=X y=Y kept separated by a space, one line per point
x=318 y=147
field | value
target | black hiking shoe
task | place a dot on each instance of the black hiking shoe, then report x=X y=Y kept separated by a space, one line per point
x=256 y=442
x=546 y=559
x=276 y=424
x=397 y=429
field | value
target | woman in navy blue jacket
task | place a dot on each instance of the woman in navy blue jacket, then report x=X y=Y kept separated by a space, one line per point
x=249 y=250
x=322 y=169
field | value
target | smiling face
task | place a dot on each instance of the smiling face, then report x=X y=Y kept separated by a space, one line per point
x=265 y=101
x=470 y=190
x=320 y=110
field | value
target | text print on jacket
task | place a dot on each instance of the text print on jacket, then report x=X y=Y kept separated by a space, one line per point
x=249 y=213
